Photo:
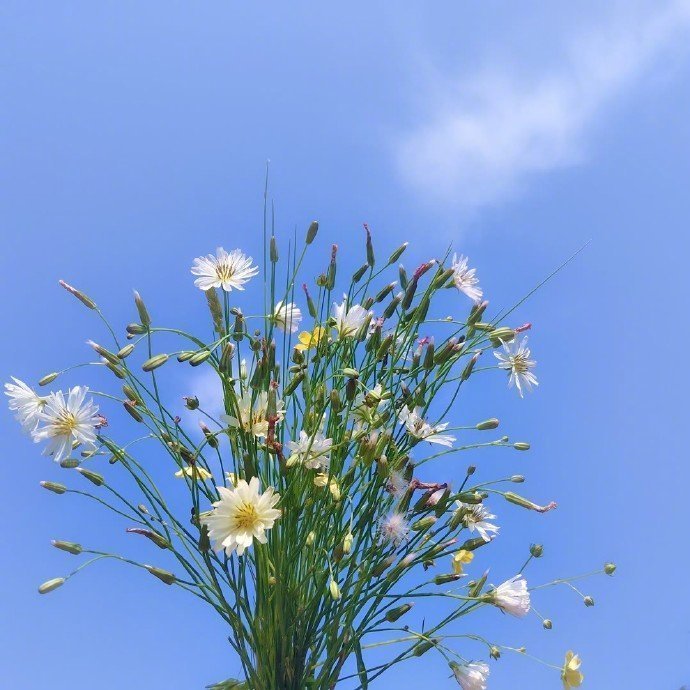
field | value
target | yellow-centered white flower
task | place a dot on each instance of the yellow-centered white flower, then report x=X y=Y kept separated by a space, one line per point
x=229 y=271
x=25 y=403
x=67 y=421
x=418 y=427
x=513 y=596
x=471 y=676
x=241 y=515
x=516 y=359
x=253 y=413
x=465 y=278
x=348 y=320
x=476 y=517
x=287 y=316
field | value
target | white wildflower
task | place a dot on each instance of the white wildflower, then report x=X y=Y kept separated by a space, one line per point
x=418 y=427
x=287 y=317
x=348 y=320
x=465 y=279
x=513 y=596
x=471 y=676
x=311 y=451
x=68 y=421
x=25 y=403
x=253 y=411
x=227 y=271
x=241 y=515
x=476 y=517
x=516 y=359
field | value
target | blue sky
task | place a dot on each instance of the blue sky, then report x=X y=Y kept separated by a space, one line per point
x=135 y=137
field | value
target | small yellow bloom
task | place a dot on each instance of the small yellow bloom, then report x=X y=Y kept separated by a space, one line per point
x=335 y=489
x=320 y=480
x=570 y=675
x=195 y=472
x=459 y=559
x=308 y=340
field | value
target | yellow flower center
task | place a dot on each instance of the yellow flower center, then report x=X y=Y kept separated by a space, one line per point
x=65 y=424
x=224 y=272
x=519 y=363
x=246 y=517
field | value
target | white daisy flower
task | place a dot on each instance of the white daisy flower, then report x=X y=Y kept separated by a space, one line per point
x=68 y=422
x=465 y=279
x=228 y=271
x=471 y=676
x=395 y=528
x=25 y=403
x=253 y=410
x=516 y=359
x=348 y=320
x=241 y=515
x=418 y=427
x=513 y=597
x=475 y=517
x=311 y=451
x=287 y=317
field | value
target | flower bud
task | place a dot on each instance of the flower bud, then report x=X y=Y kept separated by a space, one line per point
x=445 y=579
x=158 y=539
x=537 y=550
x=310 y=538
x=488 y=424
x=610 y=568
x=273 y=250
x=517 y=479
x=521 y=445
x=199 y=357
x=87 y=301
x=126 y=351
x=48 y=378
x=589 y=601
x=423 y=646
x=132 y=410
x=54 y=487
x=50 y=585
x=69 y=546
x=370 y=247
x=382 y=294
x=103 y=352
x=547 y=624
x=312 y=231
x=191 y=402
x=93 y=477
x=334 y=589
x=335 y=490
x=116 y=370
x=185 y=356
x=163 y=575
x=495 y=653
x=135 y=329
x=402 y=275
x=382 y=566
x=347 y=542
x=393 y=615
x=69 y=463
x=397 y=253
x=424 y=524
x=141 y=308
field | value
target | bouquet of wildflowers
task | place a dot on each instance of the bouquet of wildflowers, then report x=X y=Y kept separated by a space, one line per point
x=307 y=524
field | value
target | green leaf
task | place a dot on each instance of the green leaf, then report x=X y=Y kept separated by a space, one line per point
x=361 y=668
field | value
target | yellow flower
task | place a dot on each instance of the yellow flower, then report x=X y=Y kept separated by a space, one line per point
x=570 y=675
x=194 y=471
x=460 y=558
x=308 y=340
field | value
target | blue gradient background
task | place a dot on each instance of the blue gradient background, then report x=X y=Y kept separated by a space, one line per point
x=135 y=137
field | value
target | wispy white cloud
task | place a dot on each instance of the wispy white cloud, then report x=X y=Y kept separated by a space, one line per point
x=485 y=136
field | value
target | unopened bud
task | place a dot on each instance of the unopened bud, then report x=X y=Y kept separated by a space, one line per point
x=393 y=614
x=422 y=647
x=199 y=357
x=547 y=623
x=424 y=524
x=334 y=590
x=521 y=445
x=141 y=308
x=589 y=601
x=495 y=653
x=158 y=539
x=78 y=294
x=397 y=253
x=537 y=550
x=191 y=402
x=93 y=477
x=69 y=546
x=610 y=568
x=54 y=487
x=50 y=585
x=312 y=231
x=310 y=538
x=273 y=250
x=132 y=410
x=135 y=329
x=126 y=351
x=488 y=424
x=517 y=479
x=445 y=579
x=347 y=542
x=163 y=575
x=48 y=378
